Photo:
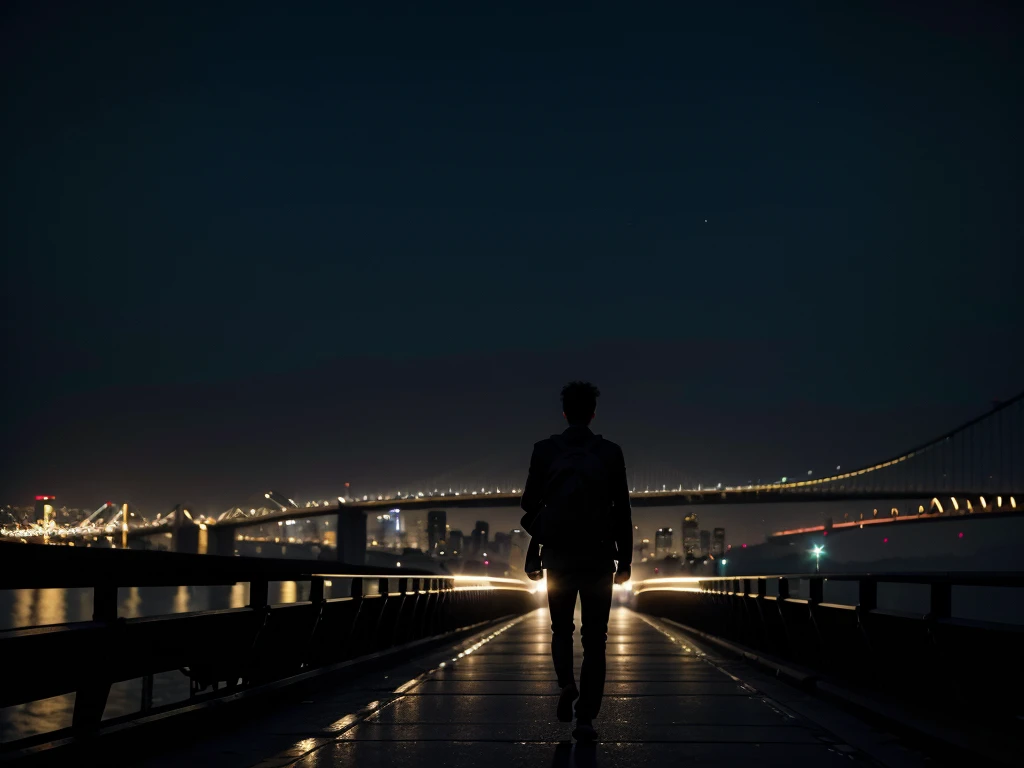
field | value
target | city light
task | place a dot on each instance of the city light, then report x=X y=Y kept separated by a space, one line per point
x=818 y=551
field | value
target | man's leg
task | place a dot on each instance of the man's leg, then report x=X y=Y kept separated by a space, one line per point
x=596 y=598
x=562 y=605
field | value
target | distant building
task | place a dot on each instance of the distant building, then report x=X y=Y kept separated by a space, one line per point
x=663 y=542
x=455 y=544
x=502 y=546
x=718 y=542
x=705 y=543
x=641 y=547
x=481 y=538
x=691 y=535
x=437 y=529
x=386 y=532
x=519 y=543
x=415 y=530
x=45 y=506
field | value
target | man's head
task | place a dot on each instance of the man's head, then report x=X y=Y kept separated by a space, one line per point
x=579 y=401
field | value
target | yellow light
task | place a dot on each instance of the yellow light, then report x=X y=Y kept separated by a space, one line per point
x=956 y=505
x=937 y=503
x=969 y=507
x=999 y=501
x=984 y=504
x=1013 y=502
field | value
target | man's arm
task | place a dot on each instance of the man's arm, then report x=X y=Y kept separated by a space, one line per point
x=533 y=564
x=622 y=516
x=532 y=492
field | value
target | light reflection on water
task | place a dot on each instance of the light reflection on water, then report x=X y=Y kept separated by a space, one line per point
x=38 y=607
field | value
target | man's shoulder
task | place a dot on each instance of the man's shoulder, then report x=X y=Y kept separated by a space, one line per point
x=609 y=446
x=545 y=447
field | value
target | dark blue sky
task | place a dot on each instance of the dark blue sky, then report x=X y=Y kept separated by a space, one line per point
x=771 y=235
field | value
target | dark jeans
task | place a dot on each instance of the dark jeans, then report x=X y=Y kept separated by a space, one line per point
x=595 y=590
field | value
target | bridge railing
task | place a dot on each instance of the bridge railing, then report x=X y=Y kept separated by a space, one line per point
x=929 y=658
x=227 y=650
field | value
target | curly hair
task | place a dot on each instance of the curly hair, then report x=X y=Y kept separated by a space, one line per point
x=579 y=401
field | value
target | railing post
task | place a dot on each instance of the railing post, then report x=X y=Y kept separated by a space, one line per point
x=259 y=593
x=867 y=599
x=104 y=603
x=354 y=641
x=316 y=590
x=783 y=589
x=317 y=600
x=91 y=698
x=147 y=693
x=941 y=606
x=816 y=591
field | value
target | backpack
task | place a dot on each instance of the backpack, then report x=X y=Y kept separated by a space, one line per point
x=576 y=496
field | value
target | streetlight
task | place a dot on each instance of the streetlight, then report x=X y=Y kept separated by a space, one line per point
x=817 y=552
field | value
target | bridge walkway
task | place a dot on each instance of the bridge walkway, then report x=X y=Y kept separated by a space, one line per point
x=666 y=699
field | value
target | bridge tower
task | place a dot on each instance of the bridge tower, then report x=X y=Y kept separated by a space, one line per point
x=186 y=532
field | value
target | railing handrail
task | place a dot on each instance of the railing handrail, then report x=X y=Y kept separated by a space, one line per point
x=957 y=578
x=32 y=566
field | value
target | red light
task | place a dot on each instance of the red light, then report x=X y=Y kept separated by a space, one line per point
x=825 y=533
x=346 y=485
x=960 y=535
x=45 y=498
x=487 y=562
x=744 y=546
x=885 y=540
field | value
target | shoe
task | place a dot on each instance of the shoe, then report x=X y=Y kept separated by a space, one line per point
x=584 y=730
x=569 y=694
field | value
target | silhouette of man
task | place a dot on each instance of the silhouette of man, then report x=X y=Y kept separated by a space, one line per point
x=576 y=504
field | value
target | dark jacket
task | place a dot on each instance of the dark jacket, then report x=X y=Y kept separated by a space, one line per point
x=618 y=544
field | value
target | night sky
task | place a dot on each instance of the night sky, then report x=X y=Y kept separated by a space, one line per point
x=262 y=247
